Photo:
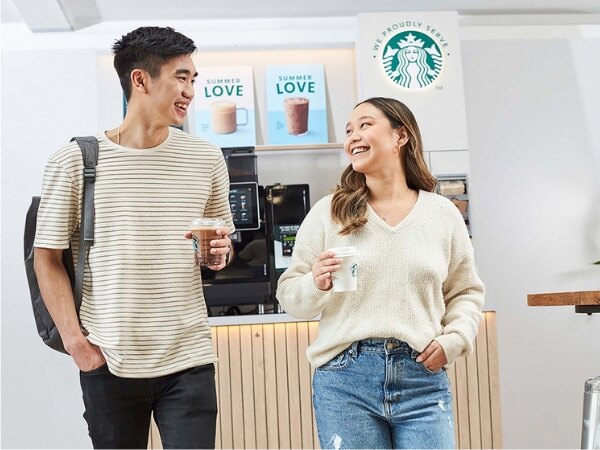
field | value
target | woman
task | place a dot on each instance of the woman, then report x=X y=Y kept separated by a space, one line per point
x=381 y=353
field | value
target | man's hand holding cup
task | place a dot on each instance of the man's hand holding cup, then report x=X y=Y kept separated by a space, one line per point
x=211 y=242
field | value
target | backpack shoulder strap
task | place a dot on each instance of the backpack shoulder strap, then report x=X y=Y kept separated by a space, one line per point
x=89 y=151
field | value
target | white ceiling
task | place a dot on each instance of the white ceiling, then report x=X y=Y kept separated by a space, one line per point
x=62 y=15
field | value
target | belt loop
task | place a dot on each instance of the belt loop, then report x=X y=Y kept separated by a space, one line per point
x=354 y=349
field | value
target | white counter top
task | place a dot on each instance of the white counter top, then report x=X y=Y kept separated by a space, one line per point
x=252 y=319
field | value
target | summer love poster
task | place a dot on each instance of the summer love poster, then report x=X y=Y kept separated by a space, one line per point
x=225 y=106
x=296 y=104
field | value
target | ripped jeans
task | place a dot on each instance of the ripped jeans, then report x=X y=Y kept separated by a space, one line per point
x=375 y=395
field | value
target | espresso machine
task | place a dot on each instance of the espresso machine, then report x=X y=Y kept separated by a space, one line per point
x=266 y=221
x=246 y=280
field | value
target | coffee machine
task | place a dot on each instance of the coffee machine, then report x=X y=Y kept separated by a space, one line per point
x=246 y=280
x=266 y=221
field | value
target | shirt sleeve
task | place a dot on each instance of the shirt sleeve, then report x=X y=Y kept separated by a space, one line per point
x=463 y=295
x=58 y=214
x=296 y=290
x=218 y=203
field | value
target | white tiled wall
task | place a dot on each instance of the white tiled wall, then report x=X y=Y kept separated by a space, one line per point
x=451 y=162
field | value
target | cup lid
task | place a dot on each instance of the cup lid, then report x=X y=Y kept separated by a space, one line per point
x=341 y=252
x=208 y=222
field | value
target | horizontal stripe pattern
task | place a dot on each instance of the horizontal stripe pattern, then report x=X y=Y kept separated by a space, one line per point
x=142 y=296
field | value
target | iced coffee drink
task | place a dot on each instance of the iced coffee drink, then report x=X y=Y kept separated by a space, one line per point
x=296 y=115
x=203 y=231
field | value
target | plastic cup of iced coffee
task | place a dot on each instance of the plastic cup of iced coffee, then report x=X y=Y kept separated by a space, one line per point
x=345 y=278
x=204 y=230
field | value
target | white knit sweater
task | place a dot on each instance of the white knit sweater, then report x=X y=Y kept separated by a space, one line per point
x=416 y=281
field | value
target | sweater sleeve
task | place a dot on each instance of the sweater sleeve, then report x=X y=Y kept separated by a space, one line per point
x=463 y=295
x=296 y=290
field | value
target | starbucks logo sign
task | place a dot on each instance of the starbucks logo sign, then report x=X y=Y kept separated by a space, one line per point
x=412 y=59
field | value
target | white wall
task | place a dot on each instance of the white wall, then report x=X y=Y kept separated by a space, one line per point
x=532 y=110
x=45 y=96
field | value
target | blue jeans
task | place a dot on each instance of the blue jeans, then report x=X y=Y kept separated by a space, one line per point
x=117 y=410
x=375 y=395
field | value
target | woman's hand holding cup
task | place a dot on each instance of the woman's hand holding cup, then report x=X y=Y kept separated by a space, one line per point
x=325 y=264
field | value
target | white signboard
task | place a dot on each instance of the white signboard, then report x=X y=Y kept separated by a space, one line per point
x=415 y=58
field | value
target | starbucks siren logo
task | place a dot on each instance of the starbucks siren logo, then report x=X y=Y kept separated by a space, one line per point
x=354 y=270
x=412 y=59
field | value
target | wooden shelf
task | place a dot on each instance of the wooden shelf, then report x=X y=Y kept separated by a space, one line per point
x=308 y=147
x=584 y=301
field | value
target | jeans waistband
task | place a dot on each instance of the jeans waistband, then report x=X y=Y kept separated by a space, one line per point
x=389 y=345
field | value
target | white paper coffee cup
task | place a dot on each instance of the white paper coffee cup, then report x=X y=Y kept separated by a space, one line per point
x=345 y=278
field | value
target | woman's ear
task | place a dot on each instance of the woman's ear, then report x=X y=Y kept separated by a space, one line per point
x=402 y=136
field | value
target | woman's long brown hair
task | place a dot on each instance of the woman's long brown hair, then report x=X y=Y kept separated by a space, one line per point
x=350 y=198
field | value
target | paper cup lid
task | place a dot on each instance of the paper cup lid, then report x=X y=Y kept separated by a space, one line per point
x=208 y=222
x=341 y=252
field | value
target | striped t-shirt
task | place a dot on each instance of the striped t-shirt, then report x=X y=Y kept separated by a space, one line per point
x=142 y=294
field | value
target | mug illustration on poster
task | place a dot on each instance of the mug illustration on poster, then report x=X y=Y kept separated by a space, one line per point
x=224 y=117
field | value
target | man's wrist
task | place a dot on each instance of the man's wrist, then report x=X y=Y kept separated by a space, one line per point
x=74 y=342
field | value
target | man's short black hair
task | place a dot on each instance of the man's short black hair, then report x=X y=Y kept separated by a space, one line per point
x=148 y=48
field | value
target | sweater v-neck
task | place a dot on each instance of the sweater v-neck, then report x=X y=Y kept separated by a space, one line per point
x=412 y=214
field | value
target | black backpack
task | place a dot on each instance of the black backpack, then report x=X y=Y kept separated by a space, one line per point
x=45 y=325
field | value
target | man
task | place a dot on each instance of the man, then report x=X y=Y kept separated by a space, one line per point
x=144 y=344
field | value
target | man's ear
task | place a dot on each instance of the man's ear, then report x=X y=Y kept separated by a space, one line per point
x=139 y=80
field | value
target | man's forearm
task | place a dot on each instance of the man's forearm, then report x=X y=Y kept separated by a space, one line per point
x=57 y=293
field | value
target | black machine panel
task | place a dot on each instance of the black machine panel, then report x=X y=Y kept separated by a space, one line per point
x=241 y=164
x=287 y=206
x=244 y=204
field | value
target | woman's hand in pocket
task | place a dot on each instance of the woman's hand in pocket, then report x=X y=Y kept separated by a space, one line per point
x=433 y=357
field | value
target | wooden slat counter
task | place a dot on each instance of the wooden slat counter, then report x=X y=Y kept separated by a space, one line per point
x=264 y=385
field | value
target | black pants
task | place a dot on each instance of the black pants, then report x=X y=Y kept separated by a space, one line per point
x=117 y=410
